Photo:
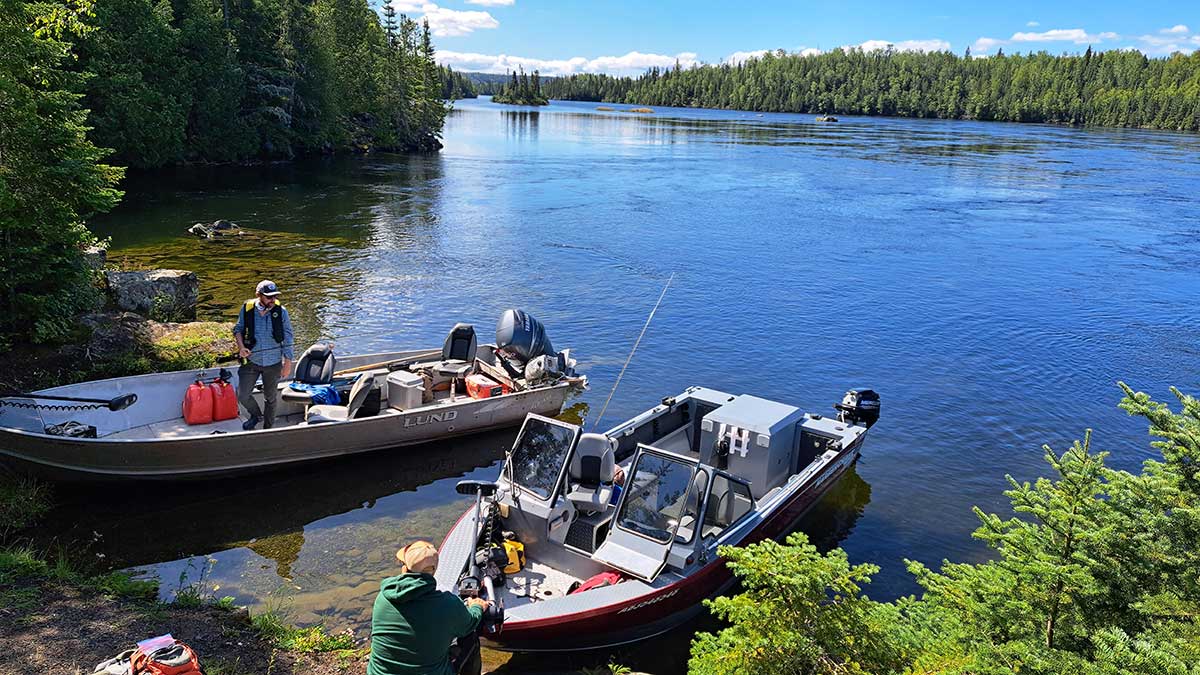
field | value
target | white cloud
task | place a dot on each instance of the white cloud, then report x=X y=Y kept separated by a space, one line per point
x=1032 y=24
x=1177 y=29
x=905 y=45
x=1168 y=42
x=1077 y=35
x=632 y=63
x=491 y=3
x=739 y=57
x=447 y=22
x=986 y=44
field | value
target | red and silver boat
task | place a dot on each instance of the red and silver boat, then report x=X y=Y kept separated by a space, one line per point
x=620 y=530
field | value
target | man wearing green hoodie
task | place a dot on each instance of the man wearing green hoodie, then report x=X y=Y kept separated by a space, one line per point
x=413 y=623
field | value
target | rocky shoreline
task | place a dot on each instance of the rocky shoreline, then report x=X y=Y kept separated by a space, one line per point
x=144 y=321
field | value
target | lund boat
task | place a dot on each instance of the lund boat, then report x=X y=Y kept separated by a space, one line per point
x=391 y=400
x=703 y=469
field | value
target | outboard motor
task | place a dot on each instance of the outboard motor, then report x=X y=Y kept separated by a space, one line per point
x=522 y=335
x=859 y=406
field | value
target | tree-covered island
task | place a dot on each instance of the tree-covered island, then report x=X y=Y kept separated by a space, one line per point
x=1114 y=88
x=522 y=89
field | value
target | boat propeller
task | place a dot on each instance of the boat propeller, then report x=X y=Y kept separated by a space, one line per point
x=114 y=404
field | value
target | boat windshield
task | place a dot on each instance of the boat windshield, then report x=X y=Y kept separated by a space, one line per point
x=538 y=457
x=655 y=497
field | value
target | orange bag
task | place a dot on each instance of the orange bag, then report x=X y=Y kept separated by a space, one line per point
x=198 y=404
x=176 y=659
x=225 y=403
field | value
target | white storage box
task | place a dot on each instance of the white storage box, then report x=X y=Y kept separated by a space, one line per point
x=405 y=390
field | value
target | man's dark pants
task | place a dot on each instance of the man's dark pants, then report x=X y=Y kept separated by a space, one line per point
x=247 y=375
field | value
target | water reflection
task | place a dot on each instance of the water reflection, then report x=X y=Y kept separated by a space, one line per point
x=268 y=514
x=522 y=124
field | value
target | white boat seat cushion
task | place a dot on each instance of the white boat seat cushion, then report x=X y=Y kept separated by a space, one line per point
x=319 y=414
x=591 y=473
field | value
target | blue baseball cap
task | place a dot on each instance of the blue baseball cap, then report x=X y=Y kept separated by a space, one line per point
x=268 y=288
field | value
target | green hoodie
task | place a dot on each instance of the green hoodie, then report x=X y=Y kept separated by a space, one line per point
x=413 y=624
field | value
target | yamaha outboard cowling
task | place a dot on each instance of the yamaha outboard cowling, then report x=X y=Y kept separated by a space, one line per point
x=859 y=406
x=522 y=335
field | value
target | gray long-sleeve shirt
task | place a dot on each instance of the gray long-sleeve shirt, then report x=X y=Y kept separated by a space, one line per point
x=266 y=351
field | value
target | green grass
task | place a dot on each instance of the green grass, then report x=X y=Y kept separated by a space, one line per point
x=275 y=630
x=22 y=502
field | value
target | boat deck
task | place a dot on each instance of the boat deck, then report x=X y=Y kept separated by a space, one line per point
x=177 y=428
x=537 y=581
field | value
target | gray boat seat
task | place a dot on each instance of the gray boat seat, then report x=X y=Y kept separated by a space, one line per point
x=319 y=414
x=460 y=344
x=458 y=357
x=316 y=366
x=590 y=475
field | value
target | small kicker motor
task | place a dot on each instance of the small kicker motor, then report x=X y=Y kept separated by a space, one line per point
x=859 y=406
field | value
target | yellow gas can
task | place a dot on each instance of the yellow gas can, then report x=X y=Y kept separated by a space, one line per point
x=516 y=556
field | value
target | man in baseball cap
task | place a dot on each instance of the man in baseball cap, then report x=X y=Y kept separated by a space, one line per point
x=263 y=333
x=413 y=623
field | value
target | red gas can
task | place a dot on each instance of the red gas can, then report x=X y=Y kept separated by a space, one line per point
x=198 y=404
x=225 y=404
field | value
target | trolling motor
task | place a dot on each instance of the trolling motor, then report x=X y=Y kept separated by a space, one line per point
x=479 y=581
x=859 y=406
x=114 y=404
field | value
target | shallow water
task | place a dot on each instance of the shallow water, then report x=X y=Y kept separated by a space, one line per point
x=991 y=281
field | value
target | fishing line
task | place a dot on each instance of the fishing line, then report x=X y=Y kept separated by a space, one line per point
x=632 y=351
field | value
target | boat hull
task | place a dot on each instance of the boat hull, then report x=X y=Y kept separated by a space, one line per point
x=210 y=456
x=672 y=605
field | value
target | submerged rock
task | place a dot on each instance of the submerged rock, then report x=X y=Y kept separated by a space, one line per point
x=158 y=294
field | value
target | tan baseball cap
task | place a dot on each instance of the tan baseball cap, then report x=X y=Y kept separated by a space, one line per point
x=420 y=557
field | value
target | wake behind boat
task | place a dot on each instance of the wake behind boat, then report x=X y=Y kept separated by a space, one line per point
x=581 y=559
x=385 y=400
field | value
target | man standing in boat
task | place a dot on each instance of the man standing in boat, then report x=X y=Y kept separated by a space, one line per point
x=263 y=333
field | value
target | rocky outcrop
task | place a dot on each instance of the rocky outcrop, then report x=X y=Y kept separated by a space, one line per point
x=168 y=295
x=95 y=257
x=115 y=334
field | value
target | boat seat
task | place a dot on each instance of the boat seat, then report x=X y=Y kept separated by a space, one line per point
x=316 y=366
x=319 y=414
x=458 y=356
x=591 y=473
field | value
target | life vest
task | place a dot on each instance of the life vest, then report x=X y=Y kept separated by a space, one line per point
x=248 y=312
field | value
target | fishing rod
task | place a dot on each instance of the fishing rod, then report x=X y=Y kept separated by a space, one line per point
x=114 y=404
x=632 y=351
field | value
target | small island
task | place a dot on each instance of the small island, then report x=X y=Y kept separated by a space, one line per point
x=522 y=89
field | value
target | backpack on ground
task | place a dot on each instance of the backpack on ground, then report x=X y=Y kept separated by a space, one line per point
x=174 y=659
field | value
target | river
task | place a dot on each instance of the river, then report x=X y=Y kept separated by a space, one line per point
x=992 y=281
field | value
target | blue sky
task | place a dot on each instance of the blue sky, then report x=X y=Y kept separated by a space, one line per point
x=624 y=36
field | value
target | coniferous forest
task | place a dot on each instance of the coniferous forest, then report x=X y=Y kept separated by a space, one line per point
x=456 y=85
x=232 y=80
x=1111 y=88
x=522 y=89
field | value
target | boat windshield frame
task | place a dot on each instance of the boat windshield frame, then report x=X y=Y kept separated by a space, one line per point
x=551 y=489
x=627 y=493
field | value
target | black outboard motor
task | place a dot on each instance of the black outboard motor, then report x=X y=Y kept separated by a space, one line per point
x=859 y=406
x=522 y=335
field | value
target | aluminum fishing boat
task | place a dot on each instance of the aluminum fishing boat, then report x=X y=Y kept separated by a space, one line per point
x=619 y=531
x=388 y=400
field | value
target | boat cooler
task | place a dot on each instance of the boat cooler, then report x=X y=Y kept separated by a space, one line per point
x=760 y=437
x=404 y=390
